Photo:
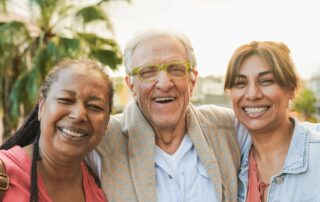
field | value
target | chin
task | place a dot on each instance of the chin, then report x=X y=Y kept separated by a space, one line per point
x=165 y=123
x=255 y=126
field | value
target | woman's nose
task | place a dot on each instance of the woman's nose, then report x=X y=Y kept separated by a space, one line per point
x=78 y=112
x=253 y=92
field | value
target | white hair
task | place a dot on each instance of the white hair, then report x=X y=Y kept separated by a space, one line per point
x=147 y=34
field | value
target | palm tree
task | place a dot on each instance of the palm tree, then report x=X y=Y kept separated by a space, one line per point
x=29 y=48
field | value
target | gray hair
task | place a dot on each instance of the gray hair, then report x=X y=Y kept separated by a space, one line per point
x=147 y=34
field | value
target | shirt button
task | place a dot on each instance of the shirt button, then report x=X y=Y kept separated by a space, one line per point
x=279 y=179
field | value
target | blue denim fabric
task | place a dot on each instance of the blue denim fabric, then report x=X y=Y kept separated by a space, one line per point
x=299 y=180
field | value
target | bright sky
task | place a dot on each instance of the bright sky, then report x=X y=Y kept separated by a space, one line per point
x=217 y=27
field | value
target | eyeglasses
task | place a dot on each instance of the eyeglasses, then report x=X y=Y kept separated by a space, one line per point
x=151 y=72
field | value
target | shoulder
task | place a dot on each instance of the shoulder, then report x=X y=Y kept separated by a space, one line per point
x=313 y=129
x=114 y=125
x=113 y=136
x=312 y=126
x=217 y=114
x=314 y=136
x=15 y=158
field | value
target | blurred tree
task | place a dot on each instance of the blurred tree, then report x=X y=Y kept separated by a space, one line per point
x=305 y=104
x=29 y=48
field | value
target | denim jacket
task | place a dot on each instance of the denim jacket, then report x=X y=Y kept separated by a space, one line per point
x=299 y=179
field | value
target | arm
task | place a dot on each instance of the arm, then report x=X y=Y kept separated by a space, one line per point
x=243 y=136
x=93 y=160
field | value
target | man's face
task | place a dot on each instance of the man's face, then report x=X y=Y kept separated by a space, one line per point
x=164 y=100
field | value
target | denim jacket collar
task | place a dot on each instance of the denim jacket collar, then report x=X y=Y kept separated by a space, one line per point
x=297 y=157
x=296 y=160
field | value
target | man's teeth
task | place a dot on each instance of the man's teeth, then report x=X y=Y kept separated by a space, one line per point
x=163 y=99
x=73 y=133
x=255 y=110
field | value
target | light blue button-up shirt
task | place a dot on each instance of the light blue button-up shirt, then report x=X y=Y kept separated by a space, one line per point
x=181 y=177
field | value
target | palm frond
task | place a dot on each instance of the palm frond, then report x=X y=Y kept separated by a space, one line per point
x=107 y=57
x=93 y=13
x=96 y=42
x=24 y=91
x=13 y=32
x=68 y=47
x=47 y=9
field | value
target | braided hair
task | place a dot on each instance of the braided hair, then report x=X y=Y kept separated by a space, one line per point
x=30 y=132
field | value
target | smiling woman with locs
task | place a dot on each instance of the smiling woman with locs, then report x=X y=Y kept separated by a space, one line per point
x=43 y=160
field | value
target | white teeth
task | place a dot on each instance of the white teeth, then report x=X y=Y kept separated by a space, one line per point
x=161 y=99
x=73 y=133
x=255 y=110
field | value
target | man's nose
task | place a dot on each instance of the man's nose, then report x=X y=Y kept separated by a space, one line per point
x=163 y=81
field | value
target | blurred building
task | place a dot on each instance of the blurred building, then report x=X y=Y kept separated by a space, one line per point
x=209 y=90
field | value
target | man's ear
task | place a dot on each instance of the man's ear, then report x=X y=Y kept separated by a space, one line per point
x=41 y=103
x=193 y=79
x=194 y=76
x=130 y=83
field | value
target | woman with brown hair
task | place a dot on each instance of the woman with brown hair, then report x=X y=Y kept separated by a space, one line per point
x=283 y=161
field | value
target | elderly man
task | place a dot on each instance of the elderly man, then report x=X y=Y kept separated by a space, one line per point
x=162 y=148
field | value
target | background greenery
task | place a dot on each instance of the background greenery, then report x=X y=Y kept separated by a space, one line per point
x=29 y=48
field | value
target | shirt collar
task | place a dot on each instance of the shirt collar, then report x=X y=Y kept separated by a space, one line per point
x=296 y=160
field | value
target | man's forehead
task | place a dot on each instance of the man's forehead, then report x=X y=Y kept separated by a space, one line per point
x=159 y=48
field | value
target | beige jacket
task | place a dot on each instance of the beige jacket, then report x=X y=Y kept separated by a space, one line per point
x=127 y=151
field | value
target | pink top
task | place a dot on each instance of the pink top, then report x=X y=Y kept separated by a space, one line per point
x=18 y=168
x=255 y=186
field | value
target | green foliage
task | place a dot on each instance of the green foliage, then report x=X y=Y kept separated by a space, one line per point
x=305 y=104
x=28 y=51
x=3 y=6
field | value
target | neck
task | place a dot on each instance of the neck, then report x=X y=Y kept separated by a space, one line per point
x=60 y=170
x=273 y=144
x=169 y=140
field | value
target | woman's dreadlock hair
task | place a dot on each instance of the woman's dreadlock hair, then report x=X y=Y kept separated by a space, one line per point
x=30 y=132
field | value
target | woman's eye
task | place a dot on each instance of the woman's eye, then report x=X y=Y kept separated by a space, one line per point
x=239 y=84
x=65 y=100
x=266 y=82
x=95 y=108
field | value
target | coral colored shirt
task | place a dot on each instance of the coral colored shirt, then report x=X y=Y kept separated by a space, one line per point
x=255 y=187
x=18 y=168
